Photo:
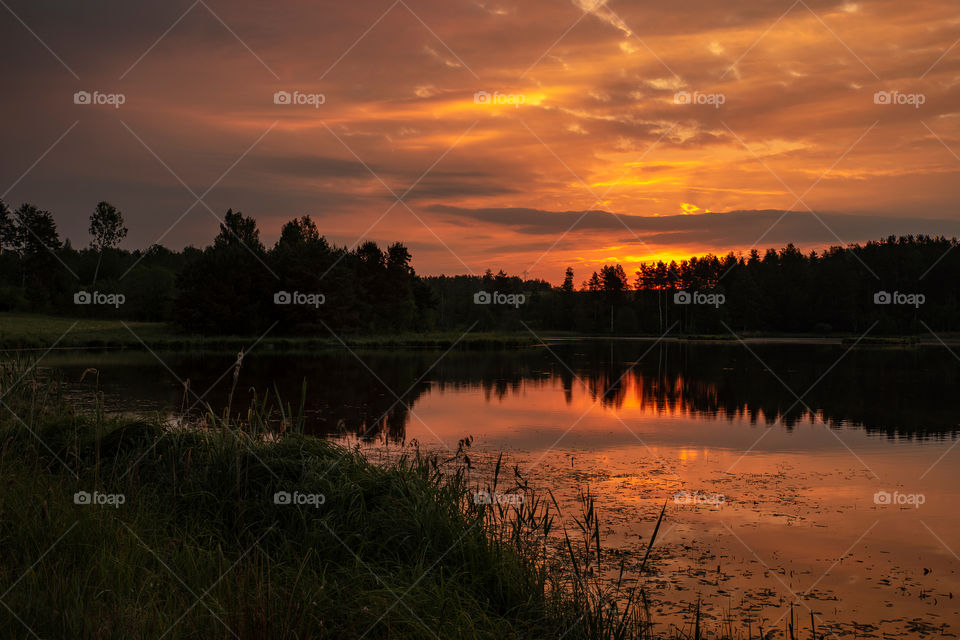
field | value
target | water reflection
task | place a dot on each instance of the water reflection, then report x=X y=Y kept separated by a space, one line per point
x=798 y=515
x=900 y=392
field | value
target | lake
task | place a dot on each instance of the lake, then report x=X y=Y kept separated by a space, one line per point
x=803 y=472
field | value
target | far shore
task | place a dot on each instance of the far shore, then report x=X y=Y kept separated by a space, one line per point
x=40 y=333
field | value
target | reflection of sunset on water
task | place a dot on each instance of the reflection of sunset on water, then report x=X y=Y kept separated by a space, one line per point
x=794 y=504
x=767 y=483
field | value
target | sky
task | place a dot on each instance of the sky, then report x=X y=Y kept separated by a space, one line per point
x=525 y=136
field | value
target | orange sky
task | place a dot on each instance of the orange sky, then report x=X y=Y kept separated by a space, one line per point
x=613 y=131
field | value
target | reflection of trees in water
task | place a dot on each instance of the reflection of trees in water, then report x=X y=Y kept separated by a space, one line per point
x=342 y=395
x=345 y=397
x=902 y=392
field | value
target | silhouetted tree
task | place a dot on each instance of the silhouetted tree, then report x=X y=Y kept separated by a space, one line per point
x=400 y=278
x=35 y=232
x=303 y=259
x=37 y=242
x=106 y=226
x=230 y=288
x=106 y=231
x=238 y=229
x=7 y=228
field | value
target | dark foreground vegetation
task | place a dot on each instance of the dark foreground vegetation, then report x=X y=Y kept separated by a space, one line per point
x=198 y=547
x=237 y=286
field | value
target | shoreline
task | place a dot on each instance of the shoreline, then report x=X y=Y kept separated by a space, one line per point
x=285 y=531
x=31 y=333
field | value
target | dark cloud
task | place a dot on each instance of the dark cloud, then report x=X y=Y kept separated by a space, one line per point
x=304 y=166
x=726 y=229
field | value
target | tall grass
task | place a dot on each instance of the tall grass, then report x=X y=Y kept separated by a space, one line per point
x=200 y=548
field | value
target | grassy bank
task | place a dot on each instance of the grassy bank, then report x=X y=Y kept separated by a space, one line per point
x=128 y=529
x=39 y=332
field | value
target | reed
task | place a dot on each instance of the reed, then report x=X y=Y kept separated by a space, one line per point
x=202 y=546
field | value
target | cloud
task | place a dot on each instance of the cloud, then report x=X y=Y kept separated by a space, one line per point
x=718 y=230
x=601 y=130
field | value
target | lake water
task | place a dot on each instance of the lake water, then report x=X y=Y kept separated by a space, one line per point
x=801 y=473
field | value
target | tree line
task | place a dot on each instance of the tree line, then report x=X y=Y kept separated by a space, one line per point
x=303 y=284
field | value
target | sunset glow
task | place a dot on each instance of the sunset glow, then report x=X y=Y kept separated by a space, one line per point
x=499 y=124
